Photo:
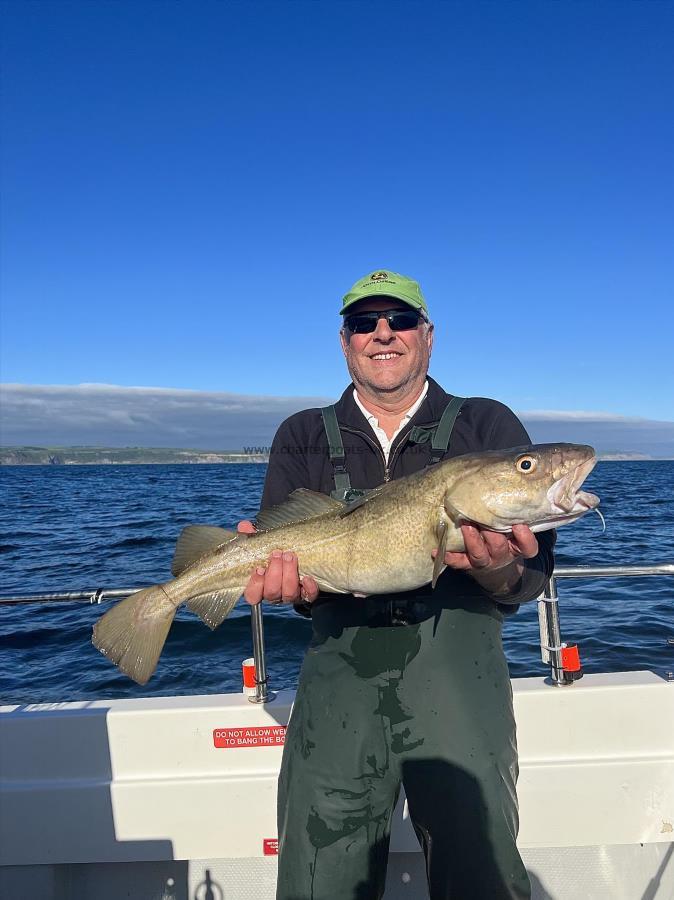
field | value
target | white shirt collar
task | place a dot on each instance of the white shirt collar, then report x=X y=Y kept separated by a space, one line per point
x=374 y=421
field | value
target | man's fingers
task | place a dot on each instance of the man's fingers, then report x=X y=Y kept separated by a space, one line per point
x=475 y=546
x=279 y=581
x=290 y=582
x=254 y=591
x=495 y=542
x=525 y=541
x=502 y=550
x=462 y=562
x=308 y=589
x=486 y=549
x=458 y=561
x=273 y=580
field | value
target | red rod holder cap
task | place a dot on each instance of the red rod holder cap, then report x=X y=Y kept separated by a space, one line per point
x=248 y=671
x=571 y=661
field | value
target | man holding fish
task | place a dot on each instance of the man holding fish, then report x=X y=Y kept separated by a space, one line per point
x=409 y=687
x=409 y=530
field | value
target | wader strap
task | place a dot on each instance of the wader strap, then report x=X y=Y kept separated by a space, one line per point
x=343 y=490
x=440 y=439
x=336 y=450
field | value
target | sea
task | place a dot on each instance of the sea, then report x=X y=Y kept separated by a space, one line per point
x=71 y=528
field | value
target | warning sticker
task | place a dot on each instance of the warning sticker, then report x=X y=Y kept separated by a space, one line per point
x=230 y=738
x=270 y=846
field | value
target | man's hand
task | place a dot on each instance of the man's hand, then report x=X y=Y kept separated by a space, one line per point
x=279 y=581
x=494 y=560
x=486 y=549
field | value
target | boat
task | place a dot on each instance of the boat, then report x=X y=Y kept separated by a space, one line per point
x=173 y=798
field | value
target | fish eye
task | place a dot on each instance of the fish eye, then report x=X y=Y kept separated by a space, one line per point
x=525 y=464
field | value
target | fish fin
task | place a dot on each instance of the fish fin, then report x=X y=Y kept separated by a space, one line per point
x=133 y=632
x=301 y=504
x=361 y=501
x=213 y=608
x=195 y=541
x=439 y=562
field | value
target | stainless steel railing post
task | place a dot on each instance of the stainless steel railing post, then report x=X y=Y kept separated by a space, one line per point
x=262 y=694
x=551 y=633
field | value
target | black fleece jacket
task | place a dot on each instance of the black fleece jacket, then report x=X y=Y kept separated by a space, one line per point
x=299 y=458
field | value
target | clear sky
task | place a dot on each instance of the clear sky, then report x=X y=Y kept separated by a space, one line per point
x=189 y=187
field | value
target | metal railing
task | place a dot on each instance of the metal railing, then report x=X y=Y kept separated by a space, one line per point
x=548 y=612
x=101 y=595
x=552 y=646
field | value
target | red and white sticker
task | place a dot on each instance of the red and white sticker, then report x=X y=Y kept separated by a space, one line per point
x=261 y=736
x=270 y=846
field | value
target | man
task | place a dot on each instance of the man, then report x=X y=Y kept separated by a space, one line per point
x=408 y=688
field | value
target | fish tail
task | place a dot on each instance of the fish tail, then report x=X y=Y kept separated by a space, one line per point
x=132 y=634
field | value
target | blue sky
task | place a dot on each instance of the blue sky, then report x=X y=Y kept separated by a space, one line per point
x=190 y=187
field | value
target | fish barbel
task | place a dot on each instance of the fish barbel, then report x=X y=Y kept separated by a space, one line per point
x=380 y=543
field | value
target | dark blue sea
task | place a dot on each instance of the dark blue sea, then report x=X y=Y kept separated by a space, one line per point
x=84 y=527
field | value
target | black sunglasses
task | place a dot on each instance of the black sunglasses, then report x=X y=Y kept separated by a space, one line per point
x=398 y=320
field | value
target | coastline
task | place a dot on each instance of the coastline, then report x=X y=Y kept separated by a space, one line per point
x=127 y=456
x=115 y=456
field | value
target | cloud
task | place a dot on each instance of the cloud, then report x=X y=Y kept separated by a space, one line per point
x=576 y=415
x=111 y=416
x=108 y=415
x=606 y=432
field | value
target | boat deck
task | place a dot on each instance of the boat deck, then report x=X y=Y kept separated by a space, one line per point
x=173 y=797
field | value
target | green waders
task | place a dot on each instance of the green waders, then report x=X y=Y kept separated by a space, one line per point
x=398 y=691
x=394 y=691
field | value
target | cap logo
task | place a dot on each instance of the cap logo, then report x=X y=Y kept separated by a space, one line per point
x=379 y=276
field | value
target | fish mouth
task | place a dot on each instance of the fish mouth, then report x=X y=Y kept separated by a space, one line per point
x=566 y=501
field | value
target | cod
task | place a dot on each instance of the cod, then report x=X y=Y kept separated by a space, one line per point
x=380 y=543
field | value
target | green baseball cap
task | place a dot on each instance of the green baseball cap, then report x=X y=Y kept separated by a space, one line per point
x=383 y=283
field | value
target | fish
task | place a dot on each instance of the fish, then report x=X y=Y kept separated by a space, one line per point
x=380 y=543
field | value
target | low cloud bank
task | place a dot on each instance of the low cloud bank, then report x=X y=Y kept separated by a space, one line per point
x=606 y=432
x=113 y=416
x=640 y=436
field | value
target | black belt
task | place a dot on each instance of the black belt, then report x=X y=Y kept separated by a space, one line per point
x=374 y=611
